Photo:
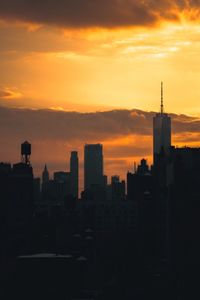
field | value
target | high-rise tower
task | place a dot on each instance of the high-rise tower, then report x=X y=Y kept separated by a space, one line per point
x=74 y=174
x=161 y=131
x=93 y=165
x=45 y=175
x=45 y=178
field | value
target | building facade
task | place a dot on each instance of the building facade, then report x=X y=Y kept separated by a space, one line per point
x=161 y=131
x=93 y=166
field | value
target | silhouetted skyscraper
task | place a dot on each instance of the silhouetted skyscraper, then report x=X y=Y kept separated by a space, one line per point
x=45 y=175
x=161 y=131
x=143 y=168
x=93 y=165
x=45 y=179
x=74 y=173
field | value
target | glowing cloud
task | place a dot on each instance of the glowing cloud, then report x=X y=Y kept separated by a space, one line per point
x=7 y=94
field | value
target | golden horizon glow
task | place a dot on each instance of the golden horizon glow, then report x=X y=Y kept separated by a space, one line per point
x=105 y=69
x=99 y=69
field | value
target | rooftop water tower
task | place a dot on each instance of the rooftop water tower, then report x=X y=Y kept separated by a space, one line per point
x=26 y=153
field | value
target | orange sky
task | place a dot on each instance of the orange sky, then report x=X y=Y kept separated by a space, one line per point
x=111 y=55
x=100 y=69
x=88 y=68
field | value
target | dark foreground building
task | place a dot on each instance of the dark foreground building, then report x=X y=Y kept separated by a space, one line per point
x=17 y=202
x=184 y=222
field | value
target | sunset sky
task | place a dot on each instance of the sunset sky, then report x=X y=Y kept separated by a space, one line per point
x=103 y=60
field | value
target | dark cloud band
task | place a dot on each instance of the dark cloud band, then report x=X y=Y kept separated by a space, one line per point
x=87 y=13
x=68 y=126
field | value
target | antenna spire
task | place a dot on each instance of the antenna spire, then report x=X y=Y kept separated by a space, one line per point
x=162 y=105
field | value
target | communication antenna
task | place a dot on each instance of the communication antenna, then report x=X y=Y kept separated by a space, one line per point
x=162 y=105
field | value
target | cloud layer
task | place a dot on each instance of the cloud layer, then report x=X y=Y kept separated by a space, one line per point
x=63 y=125
x=125 y=134
x=95 y=13
x=5 y=94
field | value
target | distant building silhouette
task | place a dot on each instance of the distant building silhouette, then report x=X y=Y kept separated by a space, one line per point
x=45 y=181
x=115 y=179
x=59 y=187
x=74 y=173
x=161 y=131
x=62 y=177
x=117 y=188
x=45 y=175
x=143 y=168
x=93 y=166
x=139 y=184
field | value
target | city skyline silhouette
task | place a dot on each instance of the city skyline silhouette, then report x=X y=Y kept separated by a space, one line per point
x=99 y=150
x=124 y=143
x=53 y=224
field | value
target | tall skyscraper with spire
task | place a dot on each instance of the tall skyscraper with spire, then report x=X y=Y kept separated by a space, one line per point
x=74 y=174
x=161 y=131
